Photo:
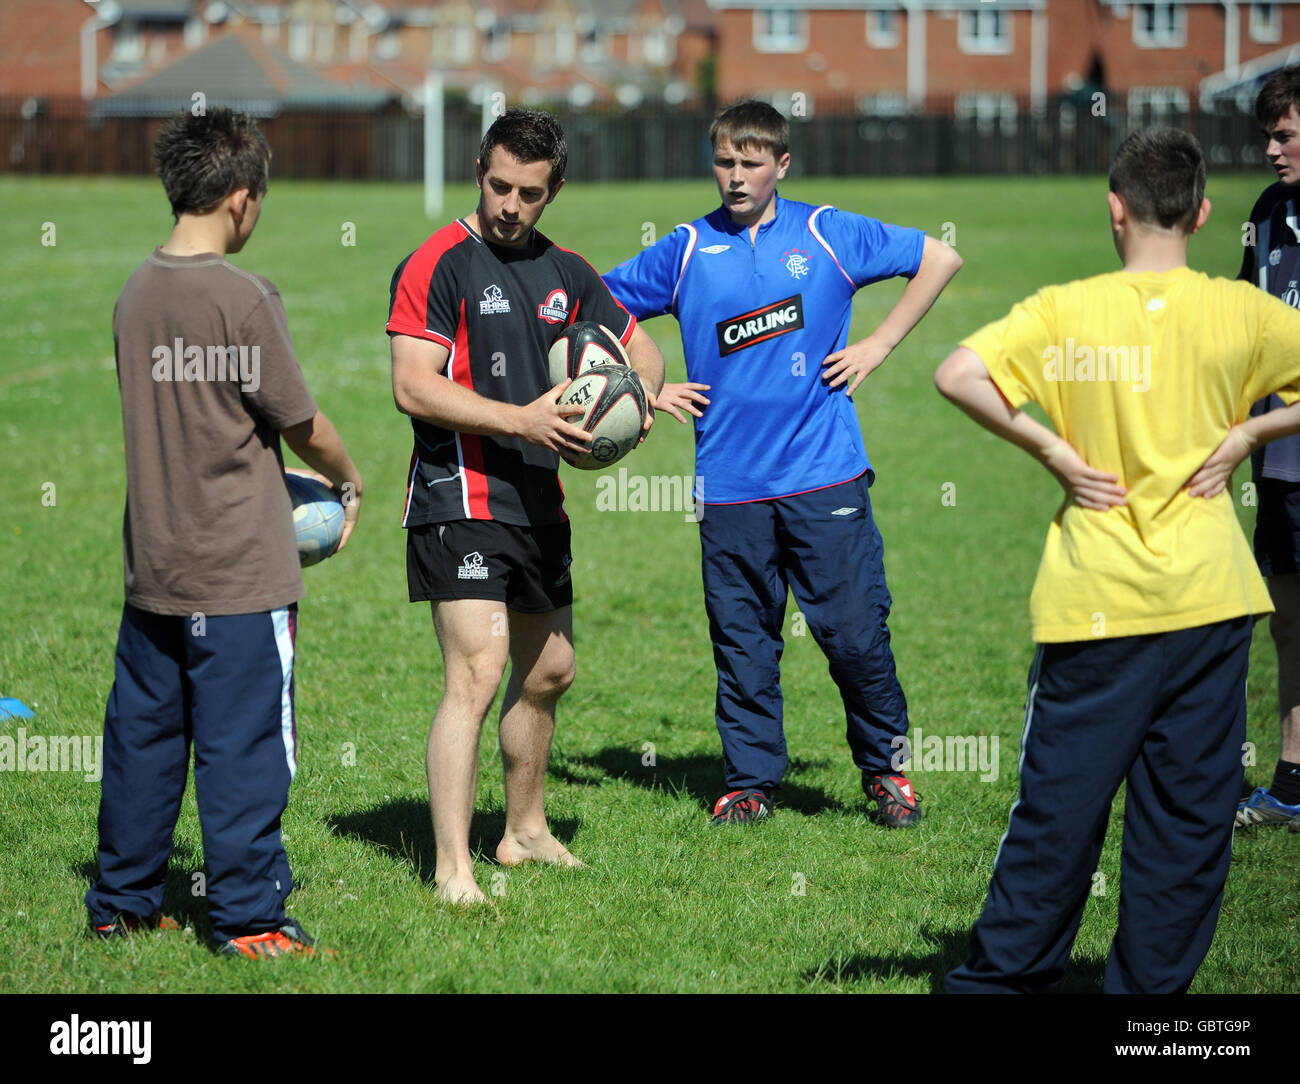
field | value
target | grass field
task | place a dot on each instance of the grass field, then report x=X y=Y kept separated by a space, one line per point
x=668 y=904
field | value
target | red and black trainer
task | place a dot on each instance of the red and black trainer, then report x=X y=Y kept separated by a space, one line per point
x=897 y=804
x=289 y=940
x=124 y=925
x=741 y=807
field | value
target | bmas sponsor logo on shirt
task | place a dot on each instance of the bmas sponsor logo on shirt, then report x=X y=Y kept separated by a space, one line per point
x=555 y=309
x=759 y=325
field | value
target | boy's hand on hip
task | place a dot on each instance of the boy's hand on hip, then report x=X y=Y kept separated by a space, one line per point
x=1213 y=476
x=675 y=398
x=853 y=364
x=1086 y=486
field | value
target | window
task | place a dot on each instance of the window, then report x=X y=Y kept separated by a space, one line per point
x=496 y=42
x=128 y=45
x=1265 y=22
x=1159 y=26
x=658 y=46
x=780 y=30
x=388 y=46
x=987 y=110
x=984 y=31
x=300 y=40
x=886 y=104
x=565 y=45
x=462 y=43
x=592 y=47
x=882 y=29
x=1155 y=105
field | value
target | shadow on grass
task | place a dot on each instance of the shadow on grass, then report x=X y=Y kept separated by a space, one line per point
x=699 y=777
x=402 y=829
x=179 y=900
x=951 y=948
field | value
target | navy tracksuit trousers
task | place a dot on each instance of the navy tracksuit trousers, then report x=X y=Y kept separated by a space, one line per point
x=1167 y=713
x=824 y=547
x=224 y=685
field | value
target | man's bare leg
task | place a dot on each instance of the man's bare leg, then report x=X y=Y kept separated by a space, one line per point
x=541 y=652
x=475 y=647
x=1285 y=627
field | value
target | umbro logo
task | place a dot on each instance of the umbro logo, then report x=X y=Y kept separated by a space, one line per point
x=472 y=567
x=843 y=511
x=713 y=250
x=493 y=301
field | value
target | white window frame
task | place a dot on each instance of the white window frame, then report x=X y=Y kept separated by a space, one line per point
x=986 y=106
x=771 y=38
x=1266 y=32
x=566 y=45
x=300 y=40
x=1171 y=36
x=1160 y=101
x=881 y=36
x=462 y=43
x=977 y=36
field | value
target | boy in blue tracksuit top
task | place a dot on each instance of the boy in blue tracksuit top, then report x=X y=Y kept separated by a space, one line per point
x=763 y=290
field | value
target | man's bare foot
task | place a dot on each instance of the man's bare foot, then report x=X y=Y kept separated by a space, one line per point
x=461 y=890
x=516 y=849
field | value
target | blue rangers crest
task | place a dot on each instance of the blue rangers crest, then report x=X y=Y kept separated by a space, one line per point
x=796 y=262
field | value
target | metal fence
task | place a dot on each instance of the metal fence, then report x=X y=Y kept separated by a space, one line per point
x=1068 y=136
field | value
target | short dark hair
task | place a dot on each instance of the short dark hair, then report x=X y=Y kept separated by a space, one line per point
x=752 y=123
x=202 y=159
x=1160 y=172
x=1280 y=92
x=531 y=135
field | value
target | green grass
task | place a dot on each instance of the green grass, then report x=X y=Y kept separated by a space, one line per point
x=668 y=904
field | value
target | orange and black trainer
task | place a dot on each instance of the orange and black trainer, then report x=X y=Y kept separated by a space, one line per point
x=897 y=804
x=124 y=925
x=741 y=807
x=289 y=940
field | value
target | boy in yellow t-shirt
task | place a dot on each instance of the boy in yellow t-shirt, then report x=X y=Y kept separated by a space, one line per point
x=1147 y=590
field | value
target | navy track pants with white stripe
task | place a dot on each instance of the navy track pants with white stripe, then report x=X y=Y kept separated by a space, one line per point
x=825 y=548
x=1167 y=713
x=225 y=685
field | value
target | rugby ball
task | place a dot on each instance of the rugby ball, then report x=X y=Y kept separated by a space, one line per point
x=614 y=410
x=580 y=347
x=317 y=518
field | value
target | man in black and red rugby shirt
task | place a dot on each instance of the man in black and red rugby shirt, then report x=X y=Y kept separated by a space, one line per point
x=473 y=312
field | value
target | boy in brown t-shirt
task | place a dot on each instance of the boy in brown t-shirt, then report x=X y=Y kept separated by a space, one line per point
x=209 y=384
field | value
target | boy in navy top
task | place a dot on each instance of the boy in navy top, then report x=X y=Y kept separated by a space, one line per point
x=1272 y=262
x=763 y=290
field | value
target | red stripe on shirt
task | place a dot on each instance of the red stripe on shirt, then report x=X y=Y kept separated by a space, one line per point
x=471 y=446
x=410 y=315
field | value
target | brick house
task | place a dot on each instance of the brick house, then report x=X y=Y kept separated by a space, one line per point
x=988 y=58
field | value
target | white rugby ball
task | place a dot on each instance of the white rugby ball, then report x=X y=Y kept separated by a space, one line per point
x=318 y=518
x=582 y=346
x=614 y=410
